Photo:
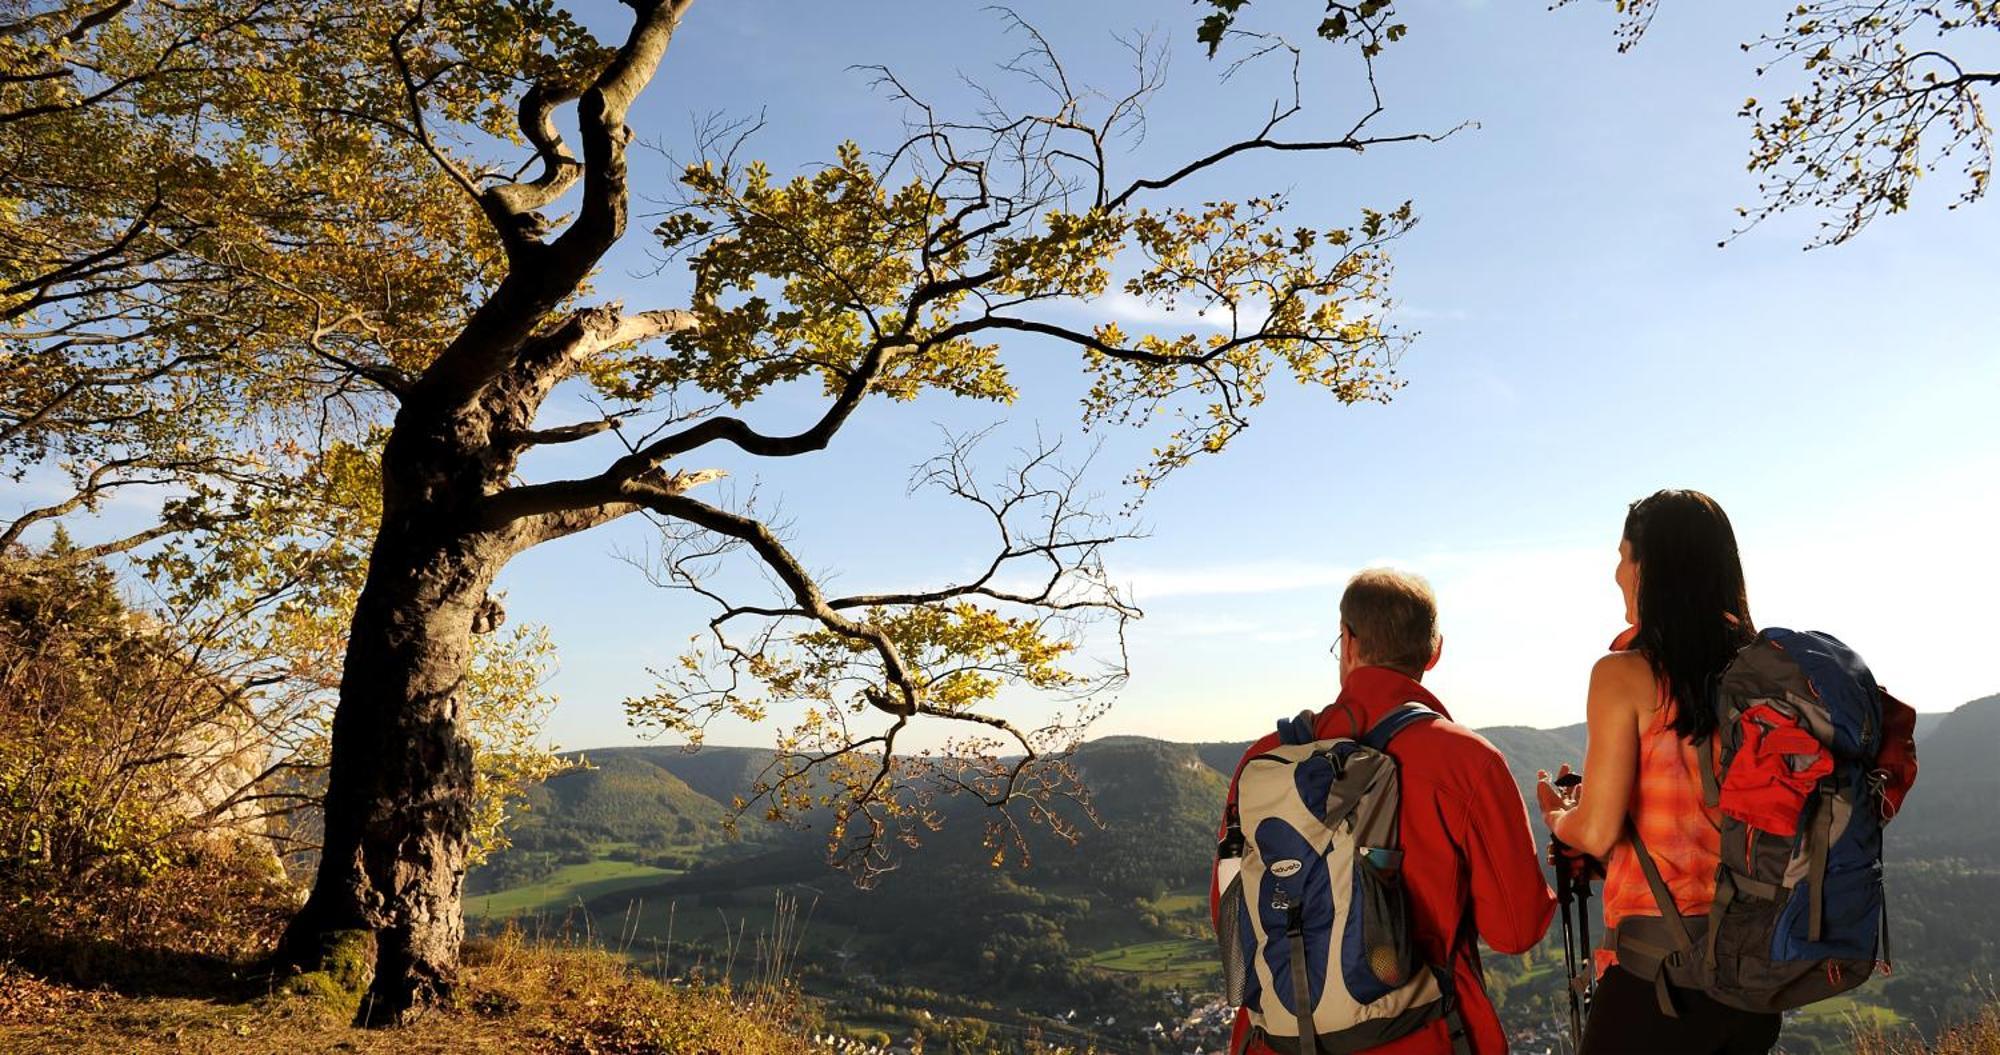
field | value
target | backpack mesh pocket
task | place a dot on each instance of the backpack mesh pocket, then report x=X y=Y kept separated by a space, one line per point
x=1234 y=944
x=1377 y=952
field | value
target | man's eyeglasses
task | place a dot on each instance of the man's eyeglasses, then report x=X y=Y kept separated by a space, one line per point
x=1345 y=633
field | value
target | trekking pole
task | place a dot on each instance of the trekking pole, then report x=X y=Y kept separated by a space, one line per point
x=1583 y=927
x=1573 y=897
x=1565 y=900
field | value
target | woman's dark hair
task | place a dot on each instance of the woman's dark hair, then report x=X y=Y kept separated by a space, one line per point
x=1690 y=587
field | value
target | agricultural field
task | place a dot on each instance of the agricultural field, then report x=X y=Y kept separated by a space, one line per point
x=1183 y=962
x=568 y=888
x=1854 y=1010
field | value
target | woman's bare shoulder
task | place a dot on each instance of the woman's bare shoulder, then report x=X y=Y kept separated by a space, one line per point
x=1625 y=676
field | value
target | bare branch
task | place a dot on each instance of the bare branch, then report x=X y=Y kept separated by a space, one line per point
x=1356 y=144
x=805 y=591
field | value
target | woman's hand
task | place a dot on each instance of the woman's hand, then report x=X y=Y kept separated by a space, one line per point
x=1554 y=800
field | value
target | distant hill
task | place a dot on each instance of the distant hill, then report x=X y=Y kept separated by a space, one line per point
x=1526 y=750
x=1103 y=928
x=1961 y=744
x=1221 y=757
x=1928 y=721
x=622 y=805
x=1956 y=775
x=1156 y=804
x=1162 y=793
x=624 y=797
x=1159 y=803
x=721 y=773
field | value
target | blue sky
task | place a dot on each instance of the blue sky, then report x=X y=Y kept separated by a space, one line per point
x=1581 y=342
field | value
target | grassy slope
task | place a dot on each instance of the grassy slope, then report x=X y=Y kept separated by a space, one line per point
x=515 y=997
x=1849 y=1009
x=1981 y=1036
x=625 y=794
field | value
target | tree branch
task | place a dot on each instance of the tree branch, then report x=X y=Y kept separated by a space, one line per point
x=493 y=337
x=560 y=168
x=759 y=537
x=612 y=484
x=1352 y=143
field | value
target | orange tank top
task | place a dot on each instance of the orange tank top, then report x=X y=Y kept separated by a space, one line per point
x=1683 y=835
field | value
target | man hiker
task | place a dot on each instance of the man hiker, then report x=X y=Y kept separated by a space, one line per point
x=1399 y=863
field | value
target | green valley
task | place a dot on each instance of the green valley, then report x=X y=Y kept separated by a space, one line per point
x=1107 y=941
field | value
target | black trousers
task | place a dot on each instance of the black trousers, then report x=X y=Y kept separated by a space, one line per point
x=1625 y=1019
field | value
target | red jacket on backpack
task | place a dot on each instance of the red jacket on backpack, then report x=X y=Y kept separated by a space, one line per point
x=1470 y=864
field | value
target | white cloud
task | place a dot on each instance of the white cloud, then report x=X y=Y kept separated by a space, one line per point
x=1254 y=577
x=1128 y=308
x=1182 y=627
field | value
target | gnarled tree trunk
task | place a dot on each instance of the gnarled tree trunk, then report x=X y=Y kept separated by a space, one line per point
x=399 y=794
x=399 y=798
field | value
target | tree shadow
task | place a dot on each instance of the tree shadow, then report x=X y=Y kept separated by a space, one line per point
x=141 y=972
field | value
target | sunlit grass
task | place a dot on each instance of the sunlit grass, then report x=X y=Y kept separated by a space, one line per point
x=565 y=887
x=1176 y=961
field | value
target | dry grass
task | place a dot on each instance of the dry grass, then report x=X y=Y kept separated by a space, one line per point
x=515 y=996
x=1978 y=1037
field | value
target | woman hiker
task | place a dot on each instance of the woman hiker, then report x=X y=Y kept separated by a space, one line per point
x=1688 y=615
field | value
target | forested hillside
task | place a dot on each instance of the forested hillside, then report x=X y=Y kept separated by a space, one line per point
x=1109 y=937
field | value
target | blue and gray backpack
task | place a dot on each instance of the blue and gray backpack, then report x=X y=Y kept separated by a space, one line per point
x=1798 y=914
x=1313 y=924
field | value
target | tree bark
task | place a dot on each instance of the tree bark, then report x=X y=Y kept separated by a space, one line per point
x=399 y=796
x=399 y=792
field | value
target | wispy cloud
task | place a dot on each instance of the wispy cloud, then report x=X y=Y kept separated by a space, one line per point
x=1120 y=306
x=1204 y=626
x=1251 y=577
x=1126 y=307
x=1181 y=628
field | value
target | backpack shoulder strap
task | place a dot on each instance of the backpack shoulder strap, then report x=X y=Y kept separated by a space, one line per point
x=1385 y=730
x=1298 y=729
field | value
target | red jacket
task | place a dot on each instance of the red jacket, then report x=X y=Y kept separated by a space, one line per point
x=1470 y=860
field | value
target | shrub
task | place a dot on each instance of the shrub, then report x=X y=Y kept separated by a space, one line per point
x=120 y=760
x=109 y=736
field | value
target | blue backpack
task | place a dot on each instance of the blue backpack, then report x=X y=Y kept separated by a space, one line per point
x=1313 y=922
x=1799 y=914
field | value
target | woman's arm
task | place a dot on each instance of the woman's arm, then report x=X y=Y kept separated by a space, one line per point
x=1622 y=694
